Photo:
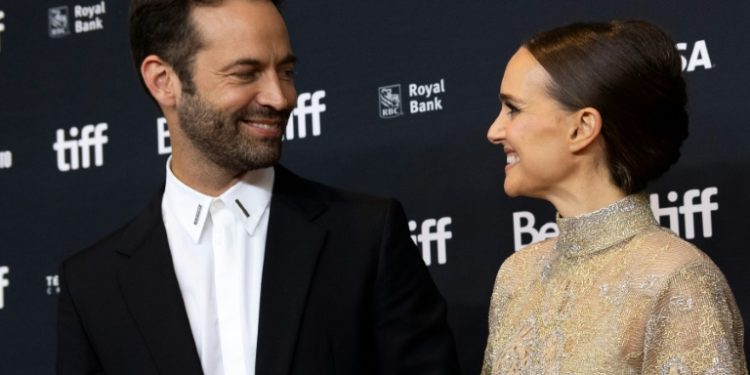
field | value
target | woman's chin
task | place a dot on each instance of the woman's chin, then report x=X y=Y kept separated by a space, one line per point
x=511 y=191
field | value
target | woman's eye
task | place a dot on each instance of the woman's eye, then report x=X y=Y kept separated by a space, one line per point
x=511 y=108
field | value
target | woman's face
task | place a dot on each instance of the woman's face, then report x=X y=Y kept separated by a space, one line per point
x=533 y=129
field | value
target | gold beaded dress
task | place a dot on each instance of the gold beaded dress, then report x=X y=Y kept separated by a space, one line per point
x=614 y=293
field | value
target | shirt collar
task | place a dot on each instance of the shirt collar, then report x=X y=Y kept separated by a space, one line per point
x=248 y=199
x=599 y=230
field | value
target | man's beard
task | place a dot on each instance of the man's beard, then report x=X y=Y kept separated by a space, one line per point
x=217 y=134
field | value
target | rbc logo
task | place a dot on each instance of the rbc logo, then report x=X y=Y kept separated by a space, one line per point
x=432 y=230
x=390 y=101
x=58 y=22
x=4 y=282
x=80 y=150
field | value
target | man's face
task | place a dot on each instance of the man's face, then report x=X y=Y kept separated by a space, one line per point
x=244 y=91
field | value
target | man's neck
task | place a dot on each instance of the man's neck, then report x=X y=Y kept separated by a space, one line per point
x=204 y=176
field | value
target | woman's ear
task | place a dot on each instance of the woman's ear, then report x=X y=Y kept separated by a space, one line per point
x=161 y=81
x=586 y=128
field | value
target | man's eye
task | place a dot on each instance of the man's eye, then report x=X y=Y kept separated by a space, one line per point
x=247 y=76
x=287 y=74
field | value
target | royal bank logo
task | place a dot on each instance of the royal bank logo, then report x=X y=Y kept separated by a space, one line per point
x=2 y=26
x=422 y=98
x=390 y=101
x=4 y=283
x=59 y=25
x=86 y=18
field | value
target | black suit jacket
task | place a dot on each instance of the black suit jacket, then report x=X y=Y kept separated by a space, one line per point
x=344 y=291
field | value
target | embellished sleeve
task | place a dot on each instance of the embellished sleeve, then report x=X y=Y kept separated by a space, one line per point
x=695 y=326
x=497 y=302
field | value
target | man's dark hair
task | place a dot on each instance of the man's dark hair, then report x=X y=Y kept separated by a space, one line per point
x=631 y=72
x=164 y=28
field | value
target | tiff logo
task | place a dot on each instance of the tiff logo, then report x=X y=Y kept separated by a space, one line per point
x=53 y=284
x=2 y=25
x=6 y=159
x=689 y=208
x=314 y=108
x=432 y=230
x=4 y=283
x=73 y=154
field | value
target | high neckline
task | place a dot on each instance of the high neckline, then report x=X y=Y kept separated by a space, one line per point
x=592 y=232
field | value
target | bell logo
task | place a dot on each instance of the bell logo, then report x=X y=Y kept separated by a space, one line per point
x=162 y=136
x=74 y=154
x=432 y=230
x=523 y=224
x=4 y=283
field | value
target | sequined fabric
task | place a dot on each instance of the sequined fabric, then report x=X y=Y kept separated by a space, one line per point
x=613 y=294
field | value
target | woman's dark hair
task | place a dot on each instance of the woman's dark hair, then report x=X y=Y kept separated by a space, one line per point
x=164 y=28
x=631 y=72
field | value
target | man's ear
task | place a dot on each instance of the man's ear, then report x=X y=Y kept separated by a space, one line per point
x=161 y=81
x=586 y=128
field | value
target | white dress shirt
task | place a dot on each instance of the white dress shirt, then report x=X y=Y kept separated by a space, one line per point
x=217 y=246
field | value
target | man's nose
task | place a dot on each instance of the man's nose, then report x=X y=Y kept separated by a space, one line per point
x=276 y=94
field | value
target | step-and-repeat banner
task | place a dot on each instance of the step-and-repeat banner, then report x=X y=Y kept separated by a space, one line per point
x=395 y=98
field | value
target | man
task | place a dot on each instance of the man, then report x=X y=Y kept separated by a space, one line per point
x=241 y=267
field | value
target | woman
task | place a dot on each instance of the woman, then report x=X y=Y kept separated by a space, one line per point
x=590 y=114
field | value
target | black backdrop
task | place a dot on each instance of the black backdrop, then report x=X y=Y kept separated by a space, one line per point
x=65 y=64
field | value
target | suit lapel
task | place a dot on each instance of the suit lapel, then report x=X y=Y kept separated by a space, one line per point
x=151 y=292
x=292 y=247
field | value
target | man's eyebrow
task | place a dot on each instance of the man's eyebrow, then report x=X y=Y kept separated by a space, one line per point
x=289 y=59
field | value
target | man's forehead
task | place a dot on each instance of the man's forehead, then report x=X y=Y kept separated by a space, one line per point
x=239 y=21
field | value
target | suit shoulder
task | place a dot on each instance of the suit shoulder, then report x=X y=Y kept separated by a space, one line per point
x=329 y=194
x=102 y=252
